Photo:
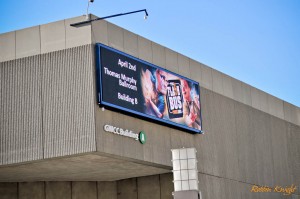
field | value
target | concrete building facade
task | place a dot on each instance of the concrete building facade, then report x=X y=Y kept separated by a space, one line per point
x=52 y=142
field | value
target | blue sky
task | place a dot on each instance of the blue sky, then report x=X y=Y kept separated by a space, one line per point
x=257 y=42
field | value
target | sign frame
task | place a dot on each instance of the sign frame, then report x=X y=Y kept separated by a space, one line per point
x=130 y=112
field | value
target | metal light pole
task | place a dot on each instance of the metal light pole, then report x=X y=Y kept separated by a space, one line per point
x=110 y=16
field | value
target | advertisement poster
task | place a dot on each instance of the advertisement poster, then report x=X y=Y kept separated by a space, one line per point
x=143 y=89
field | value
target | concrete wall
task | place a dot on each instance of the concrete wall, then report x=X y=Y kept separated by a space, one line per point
x=242 y=146
x=250 y=137
x=47 y=106
x=151 y=187
x=43 y=39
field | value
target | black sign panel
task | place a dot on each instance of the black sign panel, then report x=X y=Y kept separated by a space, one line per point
x=137 y=87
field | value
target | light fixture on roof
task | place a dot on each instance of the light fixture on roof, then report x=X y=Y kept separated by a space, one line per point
x=110 y=16
x=87 y=10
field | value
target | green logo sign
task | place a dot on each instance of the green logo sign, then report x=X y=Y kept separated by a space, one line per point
x=142 y=137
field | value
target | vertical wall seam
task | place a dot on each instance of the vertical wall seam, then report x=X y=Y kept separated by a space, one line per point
x=91 y=31
x=18 y=190
x=271 y=146
x=42 y=105
x=96 y=184
x=40 y=35
x=237 y=140
x=27 y=137
x=159 y=181
x=10 y=124
x=137 y=188
x=250 y=96
x=7 y=122
x=45 y=195
x=65 y=33
x=123 y=34
x=138 y=51
x=71 y=189
x=15 y=44
x=95 y=96
x=92 y=56
x=93 y=71
x=108 y=35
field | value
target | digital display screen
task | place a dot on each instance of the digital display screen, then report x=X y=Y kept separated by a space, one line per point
x=143 y=89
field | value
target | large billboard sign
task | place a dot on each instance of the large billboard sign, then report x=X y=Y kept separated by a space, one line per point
x=150 y=92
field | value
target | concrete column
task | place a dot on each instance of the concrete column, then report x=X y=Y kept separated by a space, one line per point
x=107 y=190
x=148 y=187
x=8 y=190
x=127 y=189
x=56 y=190
x=31 y=190
x=166 y=186
x=86 y=190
